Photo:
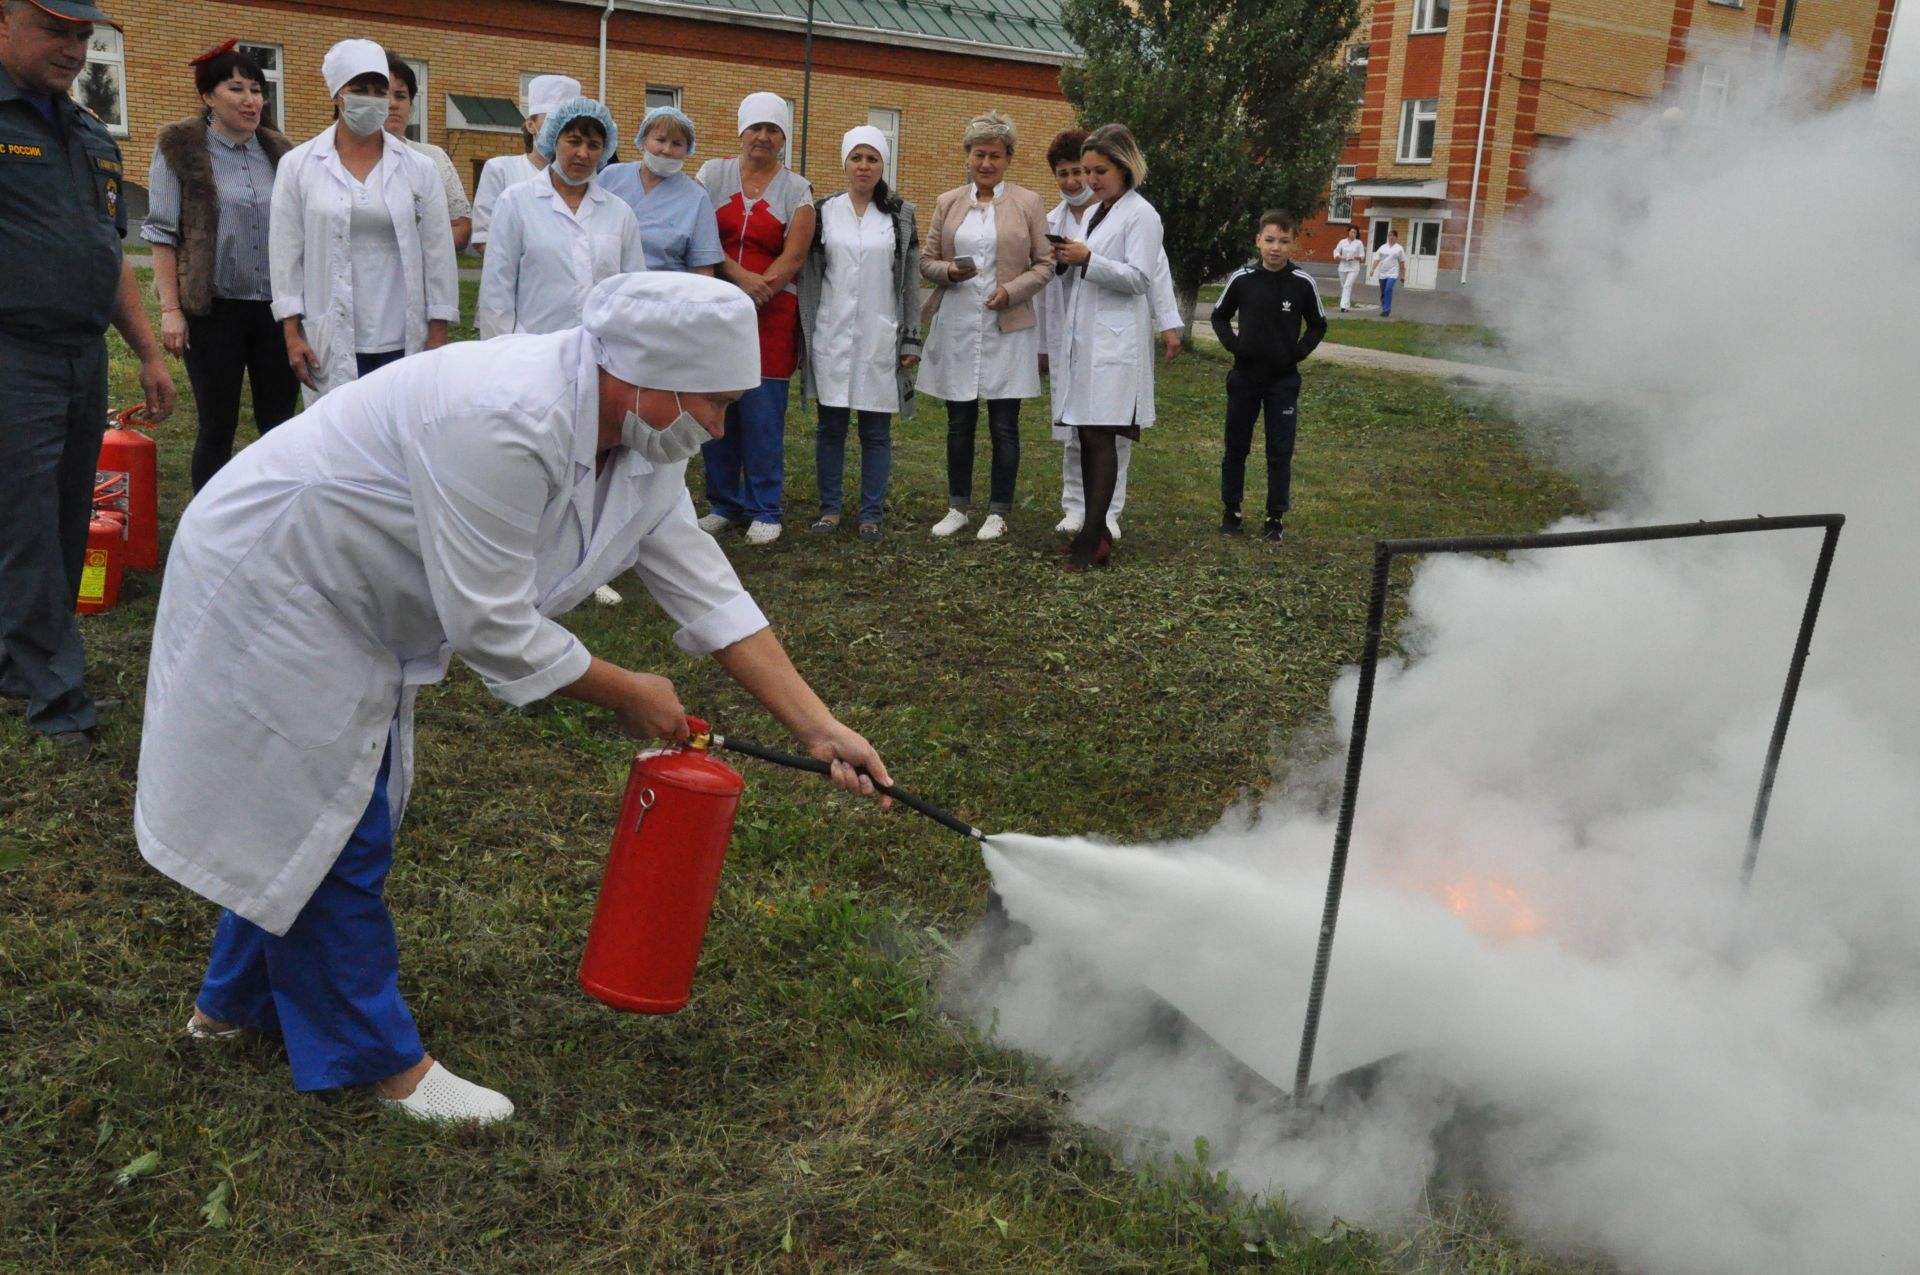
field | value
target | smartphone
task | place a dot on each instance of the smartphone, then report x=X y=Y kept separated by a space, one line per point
x=963 y=263
x=1056 y=239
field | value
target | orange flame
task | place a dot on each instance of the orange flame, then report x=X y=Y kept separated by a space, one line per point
x=1492 y=908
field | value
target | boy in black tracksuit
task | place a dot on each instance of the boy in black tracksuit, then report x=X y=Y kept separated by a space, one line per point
x=1281 y=321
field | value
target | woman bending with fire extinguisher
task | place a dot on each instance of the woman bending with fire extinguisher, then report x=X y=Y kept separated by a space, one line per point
x=453 y=506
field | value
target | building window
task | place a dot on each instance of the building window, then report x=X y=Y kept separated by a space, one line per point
x=1340 y=195
x=267 y=58
x=793 y=113
x=1430 y=15
x=1715 y=84
x=526 y=79
x=888 y=122
x=1356 y=57
x=658 y=97
x=417 y=121
x=1419 y=119
x=102 y=87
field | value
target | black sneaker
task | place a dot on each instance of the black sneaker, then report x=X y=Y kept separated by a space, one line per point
x=1230 y=523
x=1274 y=532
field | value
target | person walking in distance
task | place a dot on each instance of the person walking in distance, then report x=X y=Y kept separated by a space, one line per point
x=1387 y=260
x=1350 y=258
x=1281 y=321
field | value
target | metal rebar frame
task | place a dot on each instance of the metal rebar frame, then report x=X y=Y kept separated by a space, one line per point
x=1385 y=551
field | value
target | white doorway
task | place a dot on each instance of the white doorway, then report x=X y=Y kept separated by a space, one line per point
x=1423 y=254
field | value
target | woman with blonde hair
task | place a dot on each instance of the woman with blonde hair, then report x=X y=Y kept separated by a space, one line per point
x=1109 y=327
x=986 y=254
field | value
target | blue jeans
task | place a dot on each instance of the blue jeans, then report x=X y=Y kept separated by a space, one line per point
x=331 y=984
x=1386 y=296
x=747 y=465
x=876 y=459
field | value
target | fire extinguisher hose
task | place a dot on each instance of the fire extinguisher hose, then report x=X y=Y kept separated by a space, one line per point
x=818 y=767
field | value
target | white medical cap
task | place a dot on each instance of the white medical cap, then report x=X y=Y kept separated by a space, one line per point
x=765 y=108
x=544 y=92
x=348 y=60
x=578 y=108
x=863 y=135
x=668 y=330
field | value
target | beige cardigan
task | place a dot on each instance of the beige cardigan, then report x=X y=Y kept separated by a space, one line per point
x=1023 y=260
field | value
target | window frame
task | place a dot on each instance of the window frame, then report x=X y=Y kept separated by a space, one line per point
x=274 y=79
x=786 y=151
x=658 y=90
x=1344 y=176
x=1424 y=19
x=1415 y=111
x=891 y=130
x=1357 y=56
x=1718 y=80
x=116 y=61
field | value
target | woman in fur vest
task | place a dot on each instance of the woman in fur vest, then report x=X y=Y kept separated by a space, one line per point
x=212 y=193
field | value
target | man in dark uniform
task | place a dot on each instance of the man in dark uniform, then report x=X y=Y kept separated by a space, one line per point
x=63 y=279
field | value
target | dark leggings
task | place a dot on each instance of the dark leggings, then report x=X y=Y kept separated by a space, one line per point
x=1003 y=426
x=235 y=341
x=1099 y=472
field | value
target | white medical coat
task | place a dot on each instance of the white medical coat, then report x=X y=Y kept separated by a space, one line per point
x=1103 y=374
x=856 y=338
x=1051 y=304
x=497 y=176
x=444 y=506
x=543 y=257
x=310 y=249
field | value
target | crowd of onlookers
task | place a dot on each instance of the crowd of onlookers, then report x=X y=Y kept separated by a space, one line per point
x=297 y=269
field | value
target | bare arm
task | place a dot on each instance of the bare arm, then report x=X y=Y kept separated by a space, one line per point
x=793 y=253
x=166 y=281
x=760 y=664
x=645 y=704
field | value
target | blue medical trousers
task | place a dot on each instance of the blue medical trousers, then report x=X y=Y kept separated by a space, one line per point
x=747 y=465
x=1386 y=296
x=331 y=984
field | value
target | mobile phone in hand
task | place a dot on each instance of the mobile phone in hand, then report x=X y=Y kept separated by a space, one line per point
x=963 y=263
x=1056 y=239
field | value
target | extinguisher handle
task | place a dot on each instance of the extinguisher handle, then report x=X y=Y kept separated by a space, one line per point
x=818 y=767
x=132 y=418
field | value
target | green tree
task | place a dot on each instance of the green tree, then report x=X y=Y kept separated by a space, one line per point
x=1239 y=105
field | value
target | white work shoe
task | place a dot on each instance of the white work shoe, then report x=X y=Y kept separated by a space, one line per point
x=1069 y=525
x=763 y=533
x=445 y=1097
x=955 y=519
x=992 y=529
x=606 y=596
x=714 y=524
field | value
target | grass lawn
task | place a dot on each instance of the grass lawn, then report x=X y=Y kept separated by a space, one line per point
x=811 y=1110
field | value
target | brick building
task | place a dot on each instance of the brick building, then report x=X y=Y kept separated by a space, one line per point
x=1444 y=139
x=917 y=70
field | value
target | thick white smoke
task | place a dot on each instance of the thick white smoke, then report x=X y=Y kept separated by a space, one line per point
x=1543 y=911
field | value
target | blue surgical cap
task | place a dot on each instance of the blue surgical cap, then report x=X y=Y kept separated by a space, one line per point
x=566 y=113
x=673 y=113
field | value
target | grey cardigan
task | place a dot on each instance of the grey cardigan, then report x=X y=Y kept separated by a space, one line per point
x=906 y=282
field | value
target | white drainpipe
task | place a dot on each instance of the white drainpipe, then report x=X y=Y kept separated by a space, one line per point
x=604 y=15
x=1479 y=141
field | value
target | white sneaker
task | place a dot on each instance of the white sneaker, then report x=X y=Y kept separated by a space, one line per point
x=1069 y=525
x=445 y=1097
x=992 y=529
x=606 y=596
x=763 y=533
x=955 y=519
x=714 y=524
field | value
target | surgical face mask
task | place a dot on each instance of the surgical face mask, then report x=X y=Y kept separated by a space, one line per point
x=677 y=442
x=662 y=165
x=363 y=116
x=1076 y=201
x=560 y=171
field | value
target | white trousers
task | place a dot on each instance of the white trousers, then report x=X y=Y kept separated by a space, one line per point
x=1349 y=275
x=1073 y=495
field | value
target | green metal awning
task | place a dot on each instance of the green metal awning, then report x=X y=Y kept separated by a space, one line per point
x=486 y=112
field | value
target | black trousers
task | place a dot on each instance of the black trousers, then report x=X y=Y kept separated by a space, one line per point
x=1246 y=398
x=1003 y=427
x=235 y=340
x=53 y=409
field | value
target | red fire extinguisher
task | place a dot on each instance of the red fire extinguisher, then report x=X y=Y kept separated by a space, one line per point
x=124 y=450
x=663 y=871
x=100 y=572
